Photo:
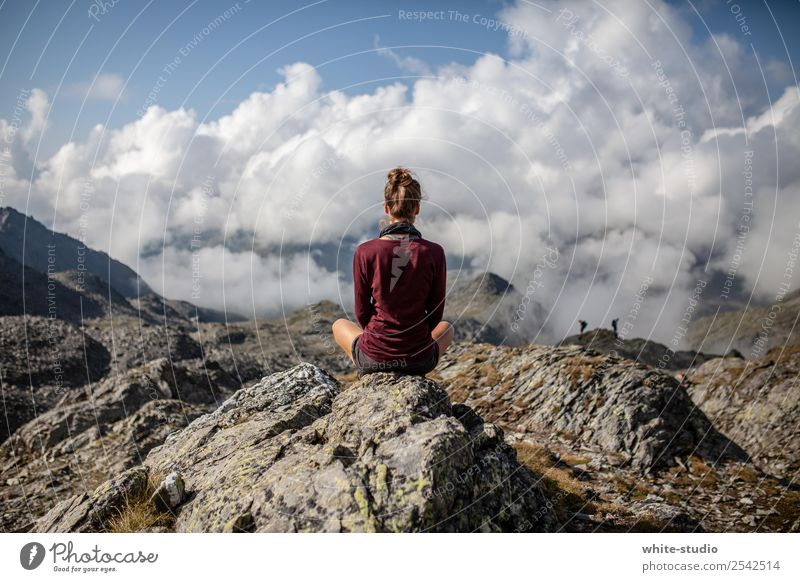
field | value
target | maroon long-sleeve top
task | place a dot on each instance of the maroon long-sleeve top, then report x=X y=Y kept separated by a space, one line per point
x=400 y=288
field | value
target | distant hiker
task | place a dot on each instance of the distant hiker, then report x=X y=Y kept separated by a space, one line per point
x=400 y=285
x=583 y=325
x=614 y=323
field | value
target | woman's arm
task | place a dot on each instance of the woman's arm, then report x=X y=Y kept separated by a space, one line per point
x=362 y=284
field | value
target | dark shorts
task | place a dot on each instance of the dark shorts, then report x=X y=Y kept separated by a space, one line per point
x=367 y=365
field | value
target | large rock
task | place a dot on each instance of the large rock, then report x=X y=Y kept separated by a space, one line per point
x=100 y=431
x=640 y=415
x=757 y=404
x=294 y=453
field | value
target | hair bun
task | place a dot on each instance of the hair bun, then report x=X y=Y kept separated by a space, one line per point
x=400 y=176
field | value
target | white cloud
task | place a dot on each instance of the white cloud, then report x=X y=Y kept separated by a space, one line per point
x=105 y=86
x=610 y=133
x=406 y=64
x=38 y=105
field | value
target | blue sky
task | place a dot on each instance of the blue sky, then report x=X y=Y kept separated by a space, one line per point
x=66 y=44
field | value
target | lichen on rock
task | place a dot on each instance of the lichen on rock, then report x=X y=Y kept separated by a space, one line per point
x=295 y=452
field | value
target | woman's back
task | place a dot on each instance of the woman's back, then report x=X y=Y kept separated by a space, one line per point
x=400 y=288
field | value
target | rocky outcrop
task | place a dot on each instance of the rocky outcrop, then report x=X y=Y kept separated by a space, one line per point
x=645 y=351
x=639 y=415
x=37 y=351
x=295 y=452
x=99 y=431
x=757 y=404
x=133 y=343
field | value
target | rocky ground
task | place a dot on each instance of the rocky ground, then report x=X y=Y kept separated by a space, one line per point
x=647 y=352
x=757 y=404
x=604 y=444
x=97 y=431
x=299 y=452
x=620 y=445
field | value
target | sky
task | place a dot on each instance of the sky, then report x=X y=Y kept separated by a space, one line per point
x=234 y=152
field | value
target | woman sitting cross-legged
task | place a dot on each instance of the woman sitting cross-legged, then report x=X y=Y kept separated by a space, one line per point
x=400 y=285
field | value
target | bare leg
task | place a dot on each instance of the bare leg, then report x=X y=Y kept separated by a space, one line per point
x=345 y=332
x=443 y=335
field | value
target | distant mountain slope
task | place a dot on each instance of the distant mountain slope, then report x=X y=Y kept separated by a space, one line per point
x=31 y=243
x=158 y=307
x=39 y=296
x=485 y=309
x=753 y=332
x=56 y=280
x=645 y=351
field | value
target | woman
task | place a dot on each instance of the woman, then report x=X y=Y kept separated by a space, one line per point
x=400 y=282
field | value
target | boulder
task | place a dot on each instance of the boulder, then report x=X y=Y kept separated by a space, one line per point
x=643 y=417
x=295 y=452
x=757 y=404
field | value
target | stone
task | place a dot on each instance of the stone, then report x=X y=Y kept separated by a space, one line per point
x=296 y=453
x=169 y=494
x=642 y=417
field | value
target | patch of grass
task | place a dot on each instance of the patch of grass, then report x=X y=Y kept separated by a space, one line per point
x=579 y=375
x=139 y=513
x=699 y=469
x=565 y=492
x=488 y=375
x=788 y=517
x=348 y=377
x=618 y=518
x=747 y=474
x=634 y=490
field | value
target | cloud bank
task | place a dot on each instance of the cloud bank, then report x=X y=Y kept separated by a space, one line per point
x=609 y=133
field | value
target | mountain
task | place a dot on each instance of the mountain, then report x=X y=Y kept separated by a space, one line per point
x=752 y=331
x=648 y=352
x=25 y=290
x=66 y=280
x=488 y=309
x=29 y=242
